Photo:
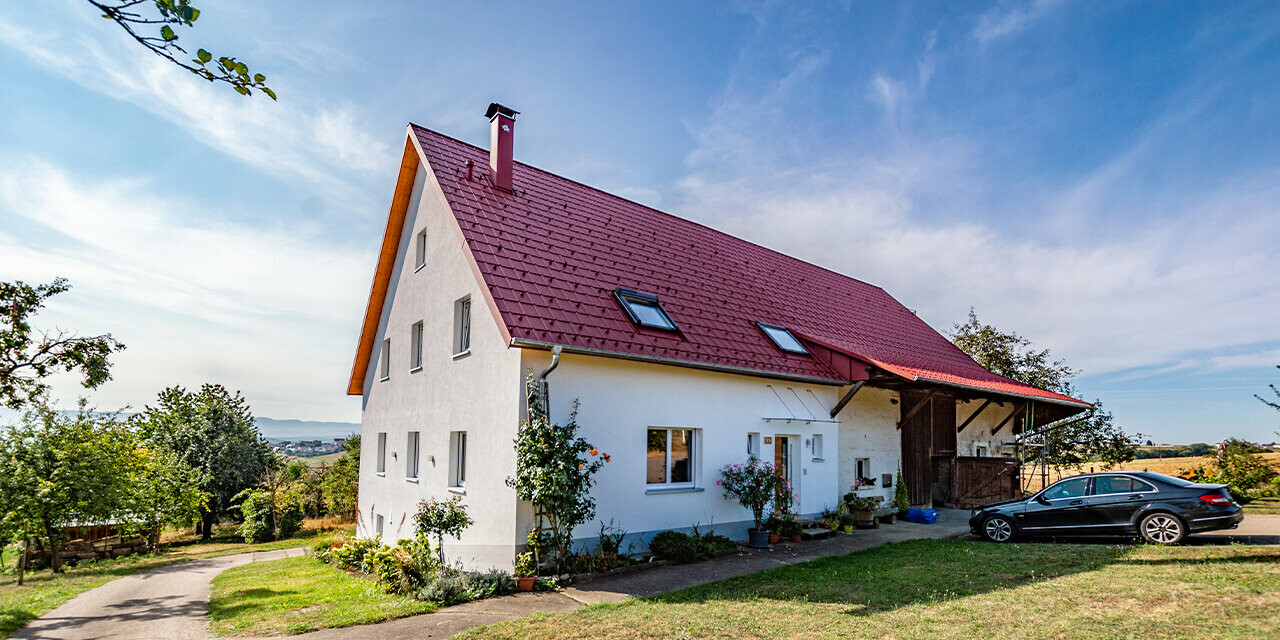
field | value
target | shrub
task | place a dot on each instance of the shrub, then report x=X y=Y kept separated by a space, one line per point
x=526 y=566
x=869 y=503
x=446 y=589
x=450 y=588
x=487 y=584
x=682 y=548
x=404 y=568
x=901 y=501
x=350 y=554
x=753 y=485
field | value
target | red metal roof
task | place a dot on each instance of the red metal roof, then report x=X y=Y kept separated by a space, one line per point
x=553 y=252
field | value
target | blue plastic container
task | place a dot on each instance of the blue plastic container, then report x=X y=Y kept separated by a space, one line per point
x=921 y=516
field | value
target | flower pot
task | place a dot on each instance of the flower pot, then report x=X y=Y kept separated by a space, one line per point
x=525 y=583
x=758 y=538
x=848 y=528
x=774 y=538
x=795 y=537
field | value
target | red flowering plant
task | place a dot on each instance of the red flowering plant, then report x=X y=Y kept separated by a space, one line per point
x=753 y=484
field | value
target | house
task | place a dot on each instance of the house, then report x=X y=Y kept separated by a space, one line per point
x=687 y=348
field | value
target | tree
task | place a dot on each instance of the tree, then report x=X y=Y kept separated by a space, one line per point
x=63 y=469
x=132 y=15
x=1273 y=404
x=271 y=511
x=164 y=491
x=212 y=431
x=554 y=469
x=305 y=486
x=1094 y=437
x=440 y=518
x=26 y=360
x=341 y=484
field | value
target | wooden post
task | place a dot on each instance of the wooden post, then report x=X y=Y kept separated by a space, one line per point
x=857 y=386
x=22 y=561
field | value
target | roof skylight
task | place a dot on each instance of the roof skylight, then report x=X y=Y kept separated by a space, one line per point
x=644 y=309
x=782 y=338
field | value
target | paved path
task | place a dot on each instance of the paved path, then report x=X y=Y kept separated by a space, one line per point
x=169 y=603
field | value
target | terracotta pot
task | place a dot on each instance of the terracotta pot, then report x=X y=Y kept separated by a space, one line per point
x=795 y=538
x=525 y=583
x=774 y=538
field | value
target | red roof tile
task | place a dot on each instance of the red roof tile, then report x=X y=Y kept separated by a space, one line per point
x=553 y=252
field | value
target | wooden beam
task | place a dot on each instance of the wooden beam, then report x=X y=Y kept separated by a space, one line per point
x=857 y=386
x=972 y=416
x=916 y=409
x=1008 y=418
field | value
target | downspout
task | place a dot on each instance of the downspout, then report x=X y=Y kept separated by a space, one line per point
x=542 y=382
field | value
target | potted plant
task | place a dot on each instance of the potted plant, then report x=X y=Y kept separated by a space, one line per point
x=752 y=485
x=864 y=511
x=774 y=525
x=900 y=500
x=526 y=571
x=789 y=527
x=846 y=522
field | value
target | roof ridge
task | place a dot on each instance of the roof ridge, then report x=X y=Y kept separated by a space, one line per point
x=653 y=209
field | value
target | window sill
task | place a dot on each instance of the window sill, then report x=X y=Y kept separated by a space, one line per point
x=461 y=354
x=663 y=490
x=413 y=480
x=819 y=460
x=458 y=491
x=384 y=378
x=419 y=267
x=416 y=369
x=381 y=474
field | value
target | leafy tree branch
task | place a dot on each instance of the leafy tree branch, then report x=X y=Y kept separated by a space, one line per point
x=133 y=16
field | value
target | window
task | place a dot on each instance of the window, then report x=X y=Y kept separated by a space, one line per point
x=385 y=364
x=411 y=455
x=980 y=451
x=753 y=445
x=420 y=251
x=377 y=527
x=415 y=346
x=861 y=469
x=817 y=446
x=458 y=459
x=782 y=338
x=1074 y=488
x=382 y=452
x=644 y=309
x=670 y=456
x=462 y=326
x=1102 y=485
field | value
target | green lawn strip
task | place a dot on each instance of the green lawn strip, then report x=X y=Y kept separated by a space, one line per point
x=295 y=595
x=958 y=589
x=1267 y=506
x=45 y=591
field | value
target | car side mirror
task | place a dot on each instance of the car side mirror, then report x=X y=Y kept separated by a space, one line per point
x=1041 y=499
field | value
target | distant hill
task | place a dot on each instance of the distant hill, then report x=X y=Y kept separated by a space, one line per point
x=278 y=430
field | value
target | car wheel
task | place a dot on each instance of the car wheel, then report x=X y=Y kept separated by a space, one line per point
x=1162 y=528
x=997 y=529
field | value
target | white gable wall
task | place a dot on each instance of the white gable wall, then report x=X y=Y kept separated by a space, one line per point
x=478 y=393
x=869 y=429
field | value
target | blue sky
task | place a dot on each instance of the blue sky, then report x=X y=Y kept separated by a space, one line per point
x=1101 y=177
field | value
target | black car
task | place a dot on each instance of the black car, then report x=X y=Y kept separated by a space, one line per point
x=1158 y=508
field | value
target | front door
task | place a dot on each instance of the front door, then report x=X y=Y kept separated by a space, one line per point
x=1062 y=508
x=784 y=462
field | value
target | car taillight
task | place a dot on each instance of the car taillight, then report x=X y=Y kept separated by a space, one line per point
x=1216 y=499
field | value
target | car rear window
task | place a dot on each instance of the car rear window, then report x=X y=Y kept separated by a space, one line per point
x=1177 y=482
x=1103 y=485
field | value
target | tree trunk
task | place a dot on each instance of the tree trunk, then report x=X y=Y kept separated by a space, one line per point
x=206 y=526
x=55 y=563
x=22 y=561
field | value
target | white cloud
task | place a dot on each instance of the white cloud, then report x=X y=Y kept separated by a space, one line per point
x=322 y=143
x=1011 y=19
x=195 y=299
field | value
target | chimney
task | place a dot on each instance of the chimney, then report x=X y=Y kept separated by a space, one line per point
x=502 y=123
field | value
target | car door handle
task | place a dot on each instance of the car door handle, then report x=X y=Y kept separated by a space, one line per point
x=1075 y=502
x=1135 y=497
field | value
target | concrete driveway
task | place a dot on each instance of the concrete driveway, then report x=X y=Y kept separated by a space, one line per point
x=170 y=603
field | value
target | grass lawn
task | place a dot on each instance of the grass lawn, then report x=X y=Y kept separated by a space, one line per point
x=44 y=590
x=957 y=589
x=1263 y=505
x=294 y=595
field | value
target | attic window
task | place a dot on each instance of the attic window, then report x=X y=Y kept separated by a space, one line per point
x=782 y=338
x=644 y=309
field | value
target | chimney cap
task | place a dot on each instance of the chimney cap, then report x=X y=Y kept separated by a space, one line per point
x=495 y=108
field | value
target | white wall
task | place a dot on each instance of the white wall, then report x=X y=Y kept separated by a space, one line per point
x=979 y=431
x=869 y=429
x=477 y=393
x=621 y=399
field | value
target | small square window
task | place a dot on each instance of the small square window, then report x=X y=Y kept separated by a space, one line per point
x=420 y=250
x=415 y=346
x=782 y=338
x=644 y=309
x=462 y=326
x=384 y=366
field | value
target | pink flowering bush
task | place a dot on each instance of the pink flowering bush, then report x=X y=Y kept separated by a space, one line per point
x=753 y=484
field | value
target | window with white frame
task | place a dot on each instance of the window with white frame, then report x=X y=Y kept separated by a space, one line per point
x=384 y=364
x=458 y=459
x=377 y=527
x=420 y=250
x=862 y=469
x=415 y=346
x=817 y=446
x=670 y=457
x=411 y=455
x=462 y=326
x=980 y=450
x=382 y=452
x=753 y=445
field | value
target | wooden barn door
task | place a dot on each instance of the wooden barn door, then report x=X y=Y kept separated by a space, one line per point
x=916 y=436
